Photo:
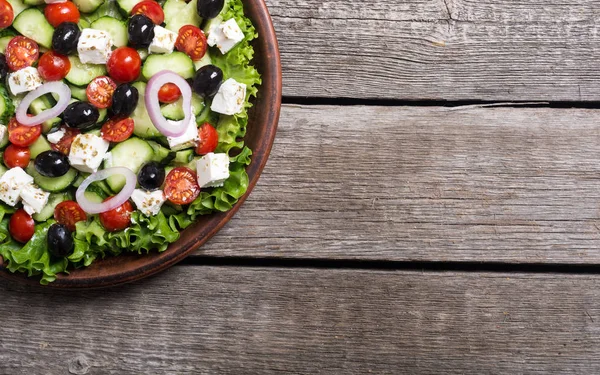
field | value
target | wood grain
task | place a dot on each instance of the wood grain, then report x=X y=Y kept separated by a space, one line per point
x=204 y=320
x=440 y=49
x=425 y=183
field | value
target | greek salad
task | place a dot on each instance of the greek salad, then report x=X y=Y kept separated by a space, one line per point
x=121 y=121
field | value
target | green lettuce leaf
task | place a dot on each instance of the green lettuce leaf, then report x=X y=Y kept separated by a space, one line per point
x=9 y=109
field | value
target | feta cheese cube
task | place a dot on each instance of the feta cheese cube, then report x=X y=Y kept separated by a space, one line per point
x=11 y=184
x=87 y=152
x=163 y=41
x=187 y=139
x=34 y=199
x=94 y=46
x=225 y=35
x=229 y=100
x=212 y=170
x=24 y=80
x=56 y=136
x=148 y=202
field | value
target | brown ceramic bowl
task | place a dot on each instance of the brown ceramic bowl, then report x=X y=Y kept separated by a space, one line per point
x=262 y=126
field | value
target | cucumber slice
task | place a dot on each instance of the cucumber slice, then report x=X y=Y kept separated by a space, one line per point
x=40 y=145
x=174 y=111
x=108 y=8
x=3 y=169
x=4 y=42
x=179 y=13
x=160 y=153
x=87 y=6
x=127 y=5
x=18 y=6
x=102 y=115
x=78 y=93
x=41 y=104
x=114 y=27
x=32 y=24
x=95 y=194
x=143 y=126
x=205 y=60
x=53 y=201
x=183 y=157
x=33 y=2
x=132 y=153
x=143 y=54
x=178 y=62
x=79 y=180
x=81 y=74
x=52 y=184
x=212 y=23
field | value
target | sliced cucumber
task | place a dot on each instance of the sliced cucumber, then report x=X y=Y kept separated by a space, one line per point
x=183 y=156
x=18 y=6
x=32 y=24
x=132 y=153
x=108 y=8
x=79 y=180
x=7 y=107
x=179 y=13
x=174 y=111
x=143 y=54
x=33 y=2
x=205 y=60
x=143 y=126
x=41 y=104
x=4 y=42
x=53 y=201
x=103 y=112
x=127 y=5
x=114 y=27
x=178 y=62
x=3 y=169
x=95 y=194
x=52 y=184
x=212 y=23
x=40 y=145
x=88 y=6
x=160 y=153
x=81 y=74
x=78 y=93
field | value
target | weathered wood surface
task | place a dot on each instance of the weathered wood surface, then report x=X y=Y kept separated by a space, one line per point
x=203 y=320
x=425 y=183
x=440 y=49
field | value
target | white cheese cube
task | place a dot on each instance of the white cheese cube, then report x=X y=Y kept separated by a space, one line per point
x=87 y=152
x=212 y=170
x=225 y=35
x=56 y=136
x=163 y=41
x=187 y=139
x=24 y=80
x=229 y=100
x=34 y=199
x=11 y=184
x=148 y=202
x=94 y=46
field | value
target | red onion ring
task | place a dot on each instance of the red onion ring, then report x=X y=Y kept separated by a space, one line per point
x=114 y=202
x=64 y=96
x=170 y=128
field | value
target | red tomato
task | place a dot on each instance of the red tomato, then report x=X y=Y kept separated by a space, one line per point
x=192 y=41
x=64 y=145
x=150 y=9
x=117 y=129
x=169 y=93
x=21 y=52
x=69 y=213
x=53 y=66
x=209 y=138
x=100 y=91
x=22 y=135
x=58 y=13
x=124 y=64
x=6 y=14
x=117 y=218
x=16 y=156
x=21 y=226
x=181 y=186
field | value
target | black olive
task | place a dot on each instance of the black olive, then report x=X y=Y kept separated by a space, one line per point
x=81 y=115
x=151 y=176
x=3 y=67
x=141 y=31
x=207 y=80
x=60 y=240
x=65 y=38
x=124 y=100
x=52 y=164
x=209 y=8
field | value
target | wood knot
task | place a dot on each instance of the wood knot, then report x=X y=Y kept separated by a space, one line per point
x=79 y=365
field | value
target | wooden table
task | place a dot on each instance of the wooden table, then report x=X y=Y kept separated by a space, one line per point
x=432 y=204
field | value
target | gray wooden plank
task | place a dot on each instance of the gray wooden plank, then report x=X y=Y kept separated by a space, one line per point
x=206 y=320
x=425 y=183
x=440 y=49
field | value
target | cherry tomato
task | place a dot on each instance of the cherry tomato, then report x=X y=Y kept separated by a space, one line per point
x=6 y=14
x=53 y=66
x=150 y=9
x=69 y=213
x=21 y=52
x=21 y=226
x=124 y=64
x=64 y=145
x=169 y=93
x=100 y=91
x=209 y=138
x=117 y=218
x=192 y=41
x=117 y=129
x=22 y=135
x=181 y=186
x=16 y=156
x=58 y=13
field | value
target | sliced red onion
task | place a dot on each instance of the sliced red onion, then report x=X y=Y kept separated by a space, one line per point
x=168 y=128
x=114 y=202
x=64 y=96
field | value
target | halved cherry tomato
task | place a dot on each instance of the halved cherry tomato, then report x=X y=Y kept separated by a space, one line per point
x=150 y=9
x=100 y=91
x=16 y=156
x=6 y=14
x=169 y=93
x=192 y=41
x=117 y=129
x=21 y=52
x=118 y=218
x=124 y=64
x=58 y=13
x=21 y=226
x=209 y=138
x=69 y=213
x=64 y=145
x=53 y=66
x=181 y=186
x=22 y=135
